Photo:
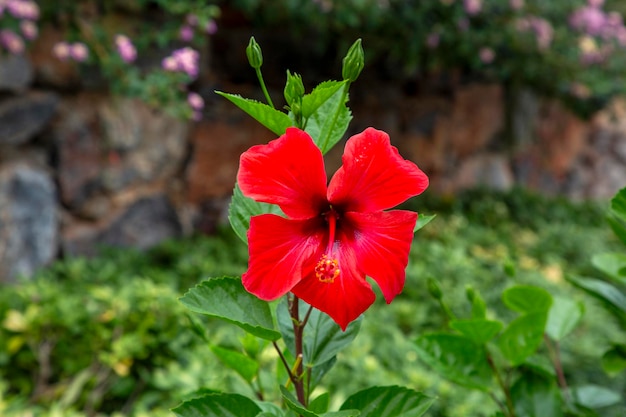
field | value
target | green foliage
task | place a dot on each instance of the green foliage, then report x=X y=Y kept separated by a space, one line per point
x=170 y=361
x=227 y=299
x=535 y=46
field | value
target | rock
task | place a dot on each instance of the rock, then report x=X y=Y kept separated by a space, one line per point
x=107 y=145
x=151 y=145
x=485 y=170
x=142 y=224
x=28 y=220
x=80 y=153
x=49 y=70
x=21 y=118
x=212 y=170
x=16 y=73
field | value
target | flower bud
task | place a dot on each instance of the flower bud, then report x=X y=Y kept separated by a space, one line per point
x=434 y=289
x=294 y=89
x=253 y=51
x=354 y=62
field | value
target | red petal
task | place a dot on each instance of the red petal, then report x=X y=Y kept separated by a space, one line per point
x=278 y=247
x=343 y=299
x=382 y=244
x=288 y=171
x=374 y=176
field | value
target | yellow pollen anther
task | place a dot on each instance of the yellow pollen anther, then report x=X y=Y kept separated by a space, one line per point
x=327 y=269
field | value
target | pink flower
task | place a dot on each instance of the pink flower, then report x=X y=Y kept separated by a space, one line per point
x=472 y=7
x=211 y=27
x=184 y=60
x=542 y=29
x=11 y=41
x=487 y=55
x=516 y=4
x=192 y=20
x=23 y=9
x=588 y=19
x=186 y=33
x=79 y=52
x=195 y=101
x=432 y=40
x=595 y=3
x=61 y=50
x=29 y=29
x=125 y=48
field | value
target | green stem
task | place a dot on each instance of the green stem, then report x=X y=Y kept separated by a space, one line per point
x=505 y=390
x=267 y=95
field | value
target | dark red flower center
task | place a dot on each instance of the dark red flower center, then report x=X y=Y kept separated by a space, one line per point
x=327 y=268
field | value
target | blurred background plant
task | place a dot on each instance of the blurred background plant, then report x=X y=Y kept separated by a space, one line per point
x=573 y=50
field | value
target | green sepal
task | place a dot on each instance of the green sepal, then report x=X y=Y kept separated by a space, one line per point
x=423 y=220
x=225 y=298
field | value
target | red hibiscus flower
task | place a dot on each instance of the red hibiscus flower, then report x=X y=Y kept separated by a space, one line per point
x=336 y=235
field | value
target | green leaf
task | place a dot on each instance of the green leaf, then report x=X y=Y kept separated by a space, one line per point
x=269 y=409
x=323 y=338
x=226 y=298
x=534 y=395
x=293 y=404
x=422 y=221
x=522 y=337
x=320 y=95
x=595 y=396
x=607 y=293
x=563 y=317
x=612 y=264
x=527 y=299
x=242 y=208
x=479 y=330
x=240 y=363
x=614 y=360
x=273 y=119
x=617 y=215
x=392 y=401
x=457 y=358
x=329 y=122
x=218 y=405
x=540 y=364
x=320 y=404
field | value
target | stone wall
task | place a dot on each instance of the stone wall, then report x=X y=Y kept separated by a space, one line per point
x=81 y=169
